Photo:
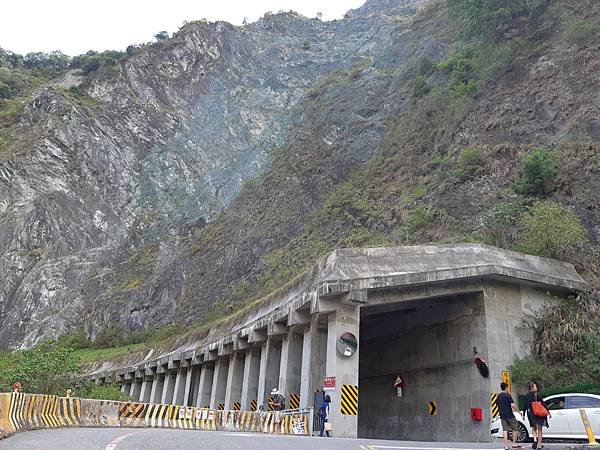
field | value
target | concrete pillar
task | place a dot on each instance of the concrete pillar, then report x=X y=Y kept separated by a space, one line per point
x=168 y=388
x=131 y=388
x=205 y=385
x=125 y=387
x=194 y=388
x=136 y=389
x=235 y=379
x=314 y=351
x=146 y=389
x=343 y=368
x=291 y=365
x=180 y=386
x=188 y=388
x=268 y=378
x=250 y=380
x=157 y=388
x=219 y=384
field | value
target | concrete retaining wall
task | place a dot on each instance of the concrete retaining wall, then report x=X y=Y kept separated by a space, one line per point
x=24 y=412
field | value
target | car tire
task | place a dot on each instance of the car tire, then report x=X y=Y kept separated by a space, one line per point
x=523 y=433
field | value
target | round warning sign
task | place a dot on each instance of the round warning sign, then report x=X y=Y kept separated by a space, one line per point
x=347 y=345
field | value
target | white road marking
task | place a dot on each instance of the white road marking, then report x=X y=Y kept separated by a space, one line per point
x=243 y=434
x=112 y=445
x=419 y=448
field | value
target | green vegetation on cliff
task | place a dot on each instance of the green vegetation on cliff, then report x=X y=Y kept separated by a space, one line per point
x=566 y=342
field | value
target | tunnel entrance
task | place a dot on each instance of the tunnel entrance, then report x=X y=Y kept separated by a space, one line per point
x=430 y=344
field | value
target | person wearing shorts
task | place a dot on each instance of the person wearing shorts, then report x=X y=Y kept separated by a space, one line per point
x=277 y=403
x=506 y=406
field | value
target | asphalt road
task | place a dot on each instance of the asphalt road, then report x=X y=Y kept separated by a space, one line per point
x=164 y=439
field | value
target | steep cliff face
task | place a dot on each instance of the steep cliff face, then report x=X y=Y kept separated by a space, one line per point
x=208 y=169
x=163 y=144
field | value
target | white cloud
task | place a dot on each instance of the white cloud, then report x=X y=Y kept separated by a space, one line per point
x=77 y=26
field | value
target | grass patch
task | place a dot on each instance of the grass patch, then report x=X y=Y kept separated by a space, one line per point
x=87 y=355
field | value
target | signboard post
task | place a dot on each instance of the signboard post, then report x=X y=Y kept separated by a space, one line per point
x=399 y=385
x=506 y=379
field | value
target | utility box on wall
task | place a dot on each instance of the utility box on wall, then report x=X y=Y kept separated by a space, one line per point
x=476 y=414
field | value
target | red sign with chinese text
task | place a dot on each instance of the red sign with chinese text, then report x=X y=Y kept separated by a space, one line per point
x=328 y=383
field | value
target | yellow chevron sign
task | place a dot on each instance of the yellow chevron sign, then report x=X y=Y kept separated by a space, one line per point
x=432 y=407
x=349 y=405
x=494 y=400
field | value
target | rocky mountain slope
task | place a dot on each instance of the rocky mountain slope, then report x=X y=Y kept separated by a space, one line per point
x=211 y=168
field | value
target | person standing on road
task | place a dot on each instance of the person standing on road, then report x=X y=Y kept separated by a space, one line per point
x=536 y=422
x=506 y=406
x=277 y=403
x=324 y=413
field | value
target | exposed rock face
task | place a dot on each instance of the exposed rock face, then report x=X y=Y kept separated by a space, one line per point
x=175 y=131
x=212 y=167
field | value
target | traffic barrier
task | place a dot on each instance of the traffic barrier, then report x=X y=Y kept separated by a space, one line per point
x=205 y=419
x=297 y=423
x=157 y=416
x=23 y=412
x=182 y=417
x=132 y=414
x=100 y=413
x=6 y=426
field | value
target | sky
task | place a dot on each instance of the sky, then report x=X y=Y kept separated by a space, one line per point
x=76 y=26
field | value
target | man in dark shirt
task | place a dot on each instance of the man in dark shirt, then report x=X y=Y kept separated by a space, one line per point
x=506 y=406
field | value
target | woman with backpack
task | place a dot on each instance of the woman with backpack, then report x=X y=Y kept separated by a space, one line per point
x=324 y=413
x=537 y=413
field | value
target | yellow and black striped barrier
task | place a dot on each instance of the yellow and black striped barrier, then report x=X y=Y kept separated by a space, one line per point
x=23 y=412
x=245 y=421
x=253 y=405
x=183 y=417
x=294 y=401
x=133 y=414
x=295 y=424
x=494 y=401
x=221 y=406
x=237 y=406
x=6 y=427
x=205 y=419
x=157 y=416
x=349 y=403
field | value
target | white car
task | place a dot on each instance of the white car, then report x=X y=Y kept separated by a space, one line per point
x=566 y=420
x=524 y=429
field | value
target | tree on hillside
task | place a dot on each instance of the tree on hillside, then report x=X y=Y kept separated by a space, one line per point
x=539 y=172
x=162 y=35
x=551 y=229
x=47 y=368
x=487 y=17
